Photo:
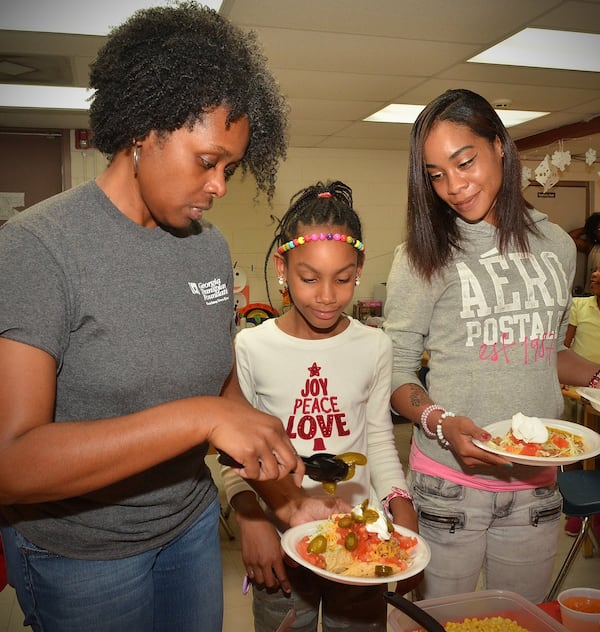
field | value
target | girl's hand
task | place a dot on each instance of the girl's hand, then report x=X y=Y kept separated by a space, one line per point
x=261 y=548
x=317 y=508
x=262 y=555
x=404 y=514
x=460 y=432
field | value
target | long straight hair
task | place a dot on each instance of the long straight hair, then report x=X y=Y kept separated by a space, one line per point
x=433 y=232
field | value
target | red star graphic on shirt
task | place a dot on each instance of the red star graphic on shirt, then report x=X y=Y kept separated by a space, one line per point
x=314 y=370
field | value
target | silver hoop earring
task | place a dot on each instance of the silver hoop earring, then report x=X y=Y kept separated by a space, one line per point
x=280 y=280
x=357 y=280
x=136 y=157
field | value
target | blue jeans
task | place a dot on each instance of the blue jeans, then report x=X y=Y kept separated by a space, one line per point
x=178 y=586
x=510 y=538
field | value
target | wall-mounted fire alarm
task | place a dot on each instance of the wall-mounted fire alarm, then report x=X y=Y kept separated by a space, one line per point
x=501 y=104
x=83 y=139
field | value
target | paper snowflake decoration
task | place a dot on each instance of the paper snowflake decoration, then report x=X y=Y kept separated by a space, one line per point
x=590 y=157
x=561 y=159
x=542 y=171
x=546 y=174
x=526 y=174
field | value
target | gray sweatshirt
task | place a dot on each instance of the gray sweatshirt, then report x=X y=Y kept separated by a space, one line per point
x=492 y=325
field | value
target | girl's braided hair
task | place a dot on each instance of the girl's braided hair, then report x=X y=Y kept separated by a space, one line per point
x=165 y=67
x=309 y=208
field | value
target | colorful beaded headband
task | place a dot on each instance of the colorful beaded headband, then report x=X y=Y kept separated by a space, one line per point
x=305 y=239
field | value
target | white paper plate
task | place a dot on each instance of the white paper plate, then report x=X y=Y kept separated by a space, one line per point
x=591 y=394
x=420 y=556
x=591 y=442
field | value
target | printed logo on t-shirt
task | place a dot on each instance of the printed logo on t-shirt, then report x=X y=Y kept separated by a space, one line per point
x=512 y=305
x=316 y=412
x=214 y=291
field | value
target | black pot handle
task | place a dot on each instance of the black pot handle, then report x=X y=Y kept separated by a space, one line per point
x=414 y=612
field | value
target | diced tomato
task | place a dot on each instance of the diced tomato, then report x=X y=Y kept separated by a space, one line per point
x=513 y=449
x=392 y=561
x=312 y=558
x=560 y=442
x=530 y=449
x=405 y=541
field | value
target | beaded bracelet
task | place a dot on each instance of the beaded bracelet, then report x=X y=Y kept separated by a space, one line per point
x=396 y=492
x=425 y=415
x=440 y=433
x=595 y=381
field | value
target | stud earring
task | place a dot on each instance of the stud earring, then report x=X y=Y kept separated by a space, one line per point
x=357 y=280
x=280 y=280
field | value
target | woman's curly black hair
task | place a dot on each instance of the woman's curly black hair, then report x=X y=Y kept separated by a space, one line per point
x=166 y=66
x=307 y=208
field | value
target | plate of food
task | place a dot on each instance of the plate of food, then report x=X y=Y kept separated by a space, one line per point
x=591 y=394
x=534 y=441
x=359 y=548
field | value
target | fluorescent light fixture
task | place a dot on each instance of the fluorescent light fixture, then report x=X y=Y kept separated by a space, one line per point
x=46 y=97
x=396 y=113
x=75 y=16
x=510 y=118
x=544 y=48
x=404 y=113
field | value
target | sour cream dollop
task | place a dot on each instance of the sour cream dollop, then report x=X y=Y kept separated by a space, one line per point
x=379 y=526
x=529 y=429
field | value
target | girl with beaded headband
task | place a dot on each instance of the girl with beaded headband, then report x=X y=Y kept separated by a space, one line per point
x=308 y=208
x=302 y=367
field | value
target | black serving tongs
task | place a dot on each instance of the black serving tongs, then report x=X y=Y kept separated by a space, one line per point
x=416 y=613
x=322 y=466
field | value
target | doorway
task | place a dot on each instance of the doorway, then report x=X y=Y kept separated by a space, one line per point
x=34 y=166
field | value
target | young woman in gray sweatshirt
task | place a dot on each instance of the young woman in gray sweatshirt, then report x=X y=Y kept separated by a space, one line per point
x=483 y=285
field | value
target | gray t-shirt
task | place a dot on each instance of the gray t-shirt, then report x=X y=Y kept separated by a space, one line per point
x=134 y=317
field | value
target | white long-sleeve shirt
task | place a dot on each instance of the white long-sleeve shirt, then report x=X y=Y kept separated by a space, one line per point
x=332 y=395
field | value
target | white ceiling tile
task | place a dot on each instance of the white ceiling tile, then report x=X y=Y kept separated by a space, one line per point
x=361 y=54
x=343 y=85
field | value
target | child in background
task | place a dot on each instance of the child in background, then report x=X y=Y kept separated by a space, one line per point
x=327 y=377
x=583 y=332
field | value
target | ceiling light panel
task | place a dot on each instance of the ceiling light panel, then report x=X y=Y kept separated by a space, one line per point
x=46 y=97
x=406 y=113
x=544 y=48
